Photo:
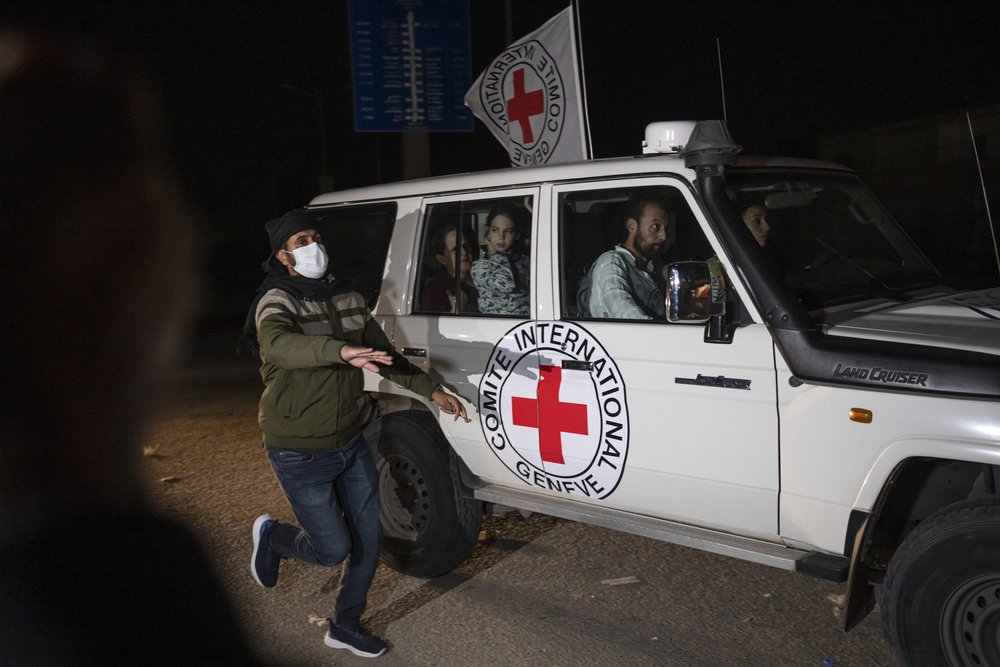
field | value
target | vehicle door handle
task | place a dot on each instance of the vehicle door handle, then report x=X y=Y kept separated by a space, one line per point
x=577 y=365
x=415 y=352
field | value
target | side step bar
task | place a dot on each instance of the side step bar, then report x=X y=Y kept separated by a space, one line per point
x=744 y=548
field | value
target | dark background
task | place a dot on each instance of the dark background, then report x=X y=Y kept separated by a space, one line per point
x=239 y=84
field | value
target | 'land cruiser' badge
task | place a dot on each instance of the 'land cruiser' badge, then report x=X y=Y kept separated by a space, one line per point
x=552 y=407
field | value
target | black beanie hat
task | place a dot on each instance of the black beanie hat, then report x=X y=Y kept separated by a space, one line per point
x=281 y=229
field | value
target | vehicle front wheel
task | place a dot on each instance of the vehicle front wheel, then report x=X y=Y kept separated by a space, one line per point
x=428 y=526
x=941 y=597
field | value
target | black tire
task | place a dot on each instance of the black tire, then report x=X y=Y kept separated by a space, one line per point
x=941 y=597
x=428 y=526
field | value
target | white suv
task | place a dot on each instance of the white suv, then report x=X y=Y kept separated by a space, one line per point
x=823 y=404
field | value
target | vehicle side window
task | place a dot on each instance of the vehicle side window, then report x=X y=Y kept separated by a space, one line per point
x=615 y=245
x=357 y=242
x=475 y=258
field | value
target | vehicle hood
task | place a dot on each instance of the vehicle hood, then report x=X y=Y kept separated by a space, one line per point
x=966 y=320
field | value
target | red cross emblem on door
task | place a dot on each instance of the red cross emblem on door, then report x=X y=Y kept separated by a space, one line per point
x=523 y=105
x=549 y=415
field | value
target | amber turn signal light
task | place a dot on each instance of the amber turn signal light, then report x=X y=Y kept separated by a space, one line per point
x=861 y=415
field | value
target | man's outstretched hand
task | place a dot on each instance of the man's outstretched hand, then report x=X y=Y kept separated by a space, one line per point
x=365 y=357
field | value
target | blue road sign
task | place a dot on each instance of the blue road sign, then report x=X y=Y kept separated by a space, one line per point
x=410 y=64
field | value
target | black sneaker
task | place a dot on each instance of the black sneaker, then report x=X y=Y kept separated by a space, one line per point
x=264 y=562
x=356 y=641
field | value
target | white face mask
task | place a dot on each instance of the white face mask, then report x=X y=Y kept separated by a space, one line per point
x=310 y=260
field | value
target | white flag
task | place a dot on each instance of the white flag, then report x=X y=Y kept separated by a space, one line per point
x=531 y=97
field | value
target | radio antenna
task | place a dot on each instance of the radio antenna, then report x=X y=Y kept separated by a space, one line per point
x=986 y=199
x=722 y=83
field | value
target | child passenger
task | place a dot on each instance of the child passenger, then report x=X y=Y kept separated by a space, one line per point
x=502 y=276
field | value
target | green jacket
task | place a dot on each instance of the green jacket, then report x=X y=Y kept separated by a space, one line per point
x=313 y=399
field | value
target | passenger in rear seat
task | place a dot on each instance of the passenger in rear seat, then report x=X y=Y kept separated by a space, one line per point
x=502 y=277
x=439 y=293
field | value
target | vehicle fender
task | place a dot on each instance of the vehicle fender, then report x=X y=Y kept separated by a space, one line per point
x=890 y=457
x=875 y=492
x=386 y=404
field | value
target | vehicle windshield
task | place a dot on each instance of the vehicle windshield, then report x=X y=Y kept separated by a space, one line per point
x=830 y=238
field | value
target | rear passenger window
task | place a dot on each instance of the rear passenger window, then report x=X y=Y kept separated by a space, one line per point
x=614 y=247
x=357 y=242
x=476 y=258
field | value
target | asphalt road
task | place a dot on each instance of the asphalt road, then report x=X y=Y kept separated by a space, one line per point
x=537 y=591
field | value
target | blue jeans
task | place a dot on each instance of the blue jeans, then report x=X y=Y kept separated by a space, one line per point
x=334 y=495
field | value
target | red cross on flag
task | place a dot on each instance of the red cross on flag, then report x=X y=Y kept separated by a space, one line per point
x=531 y=96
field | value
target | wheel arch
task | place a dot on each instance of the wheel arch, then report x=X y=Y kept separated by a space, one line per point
x=389 y=404
x=915 y=488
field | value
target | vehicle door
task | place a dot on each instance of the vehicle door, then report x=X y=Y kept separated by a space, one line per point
x=644 y=413
x=463 y=298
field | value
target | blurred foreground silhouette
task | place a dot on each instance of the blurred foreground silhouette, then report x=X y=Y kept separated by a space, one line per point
x=99 y=255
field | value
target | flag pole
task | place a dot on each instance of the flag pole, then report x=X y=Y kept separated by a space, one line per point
x=578 y=48
x=722 y=81
x=986 y=198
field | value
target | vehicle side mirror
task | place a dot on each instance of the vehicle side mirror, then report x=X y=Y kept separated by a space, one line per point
x=689 y=292
x=696 y=292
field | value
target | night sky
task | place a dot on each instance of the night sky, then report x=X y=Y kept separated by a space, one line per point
x=239 y=81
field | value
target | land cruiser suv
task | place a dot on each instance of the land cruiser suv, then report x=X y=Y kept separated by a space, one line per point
x=824 y=404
